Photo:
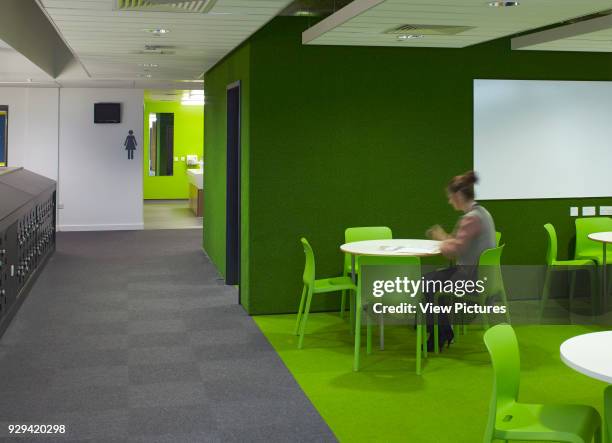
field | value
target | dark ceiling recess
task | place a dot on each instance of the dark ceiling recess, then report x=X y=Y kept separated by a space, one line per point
x=314 y=8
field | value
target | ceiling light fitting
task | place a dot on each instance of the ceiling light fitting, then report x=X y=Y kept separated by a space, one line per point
x=158 y=32
x=500 y=4
x=404 y=37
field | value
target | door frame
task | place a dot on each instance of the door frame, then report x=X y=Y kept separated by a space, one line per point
x=233 y=221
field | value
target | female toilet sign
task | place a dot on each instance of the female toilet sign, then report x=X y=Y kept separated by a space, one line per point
x=130 y=144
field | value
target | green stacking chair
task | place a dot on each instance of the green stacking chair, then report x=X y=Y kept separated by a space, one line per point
x=608 y=414
x=511 y=420
x=388 y=268
x=489 y=268
x=360 y=233
x=313 y=286
x=565 y=265
x=587 y=248
x=497 y=238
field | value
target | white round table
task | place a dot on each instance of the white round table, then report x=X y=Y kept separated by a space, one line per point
x=396 y=247
x=604 y=238
x=590 y=354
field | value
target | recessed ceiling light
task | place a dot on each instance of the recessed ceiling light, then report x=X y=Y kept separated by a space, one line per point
x=157 y=31
x=501 y=4
x=304 y=13
x=404 y=37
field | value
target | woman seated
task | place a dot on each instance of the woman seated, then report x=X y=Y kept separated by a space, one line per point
x=474 y=232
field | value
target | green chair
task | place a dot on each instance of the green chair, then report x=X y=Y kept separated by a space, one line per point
x=511 y=420
x=608 y=414
x=489 y=270
x=388 y=268
x=355 y=234
x=587 y=249
x=312 y=286
x=573 y=266
x=497 y=237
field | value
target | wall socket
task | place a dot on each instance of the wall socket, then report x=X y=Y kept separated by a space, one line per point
x=605 y=210
x=574 y=211
x=588 y=210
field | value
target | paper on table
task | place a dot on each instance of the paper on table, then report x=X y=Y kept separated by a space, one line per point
x=409 y=249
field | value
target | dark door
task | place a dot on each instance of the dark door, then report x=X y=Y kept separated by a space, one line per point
x=232 y=264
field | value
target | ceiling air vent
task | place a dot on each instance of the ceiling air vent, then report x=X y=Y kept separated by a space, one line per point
x=428 y=30
x=199 y=6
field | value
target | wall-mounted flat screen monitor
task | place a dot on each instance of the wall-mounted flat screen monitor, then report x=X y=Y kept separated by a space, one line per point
x=107 y=113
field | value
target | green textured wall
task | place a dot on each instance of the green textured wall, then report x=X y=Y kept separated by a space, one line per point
x=188 y=139
x=350 y=136
x=235 y=67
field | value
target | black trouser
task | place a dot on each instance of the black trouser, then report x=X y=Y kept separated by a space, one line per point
x=445 y=275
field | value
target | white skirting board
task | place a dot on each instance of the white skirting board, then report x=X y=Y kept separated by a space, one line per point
x=119 y=227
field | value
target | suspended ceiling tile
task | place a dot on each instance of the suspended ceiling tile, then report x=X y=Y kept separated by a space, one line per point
x=100 y=35
x=366 y=22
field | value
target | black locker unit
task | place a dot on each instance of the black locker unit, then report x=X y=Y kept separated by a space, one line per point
x=27 y=235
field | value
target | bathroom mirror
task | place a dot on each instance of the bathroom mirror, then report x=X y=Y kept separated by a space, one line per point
x=161 y=144
x=3 y=134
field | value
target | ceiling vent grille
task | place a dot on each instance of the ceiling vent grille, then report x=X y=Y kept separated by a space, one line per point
x=194 y=6
x=428 y=29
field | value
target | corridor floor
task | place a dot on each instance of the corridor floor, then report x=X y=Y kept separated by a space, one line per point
x=132 y=336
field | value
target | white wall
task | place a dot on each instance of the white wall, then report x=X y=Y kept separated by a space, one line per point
x=99 y=188
x=52 y=129
x=33 y=126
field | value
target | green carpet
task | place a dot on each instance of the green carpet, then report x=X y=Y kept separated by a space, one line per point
x=387 y=402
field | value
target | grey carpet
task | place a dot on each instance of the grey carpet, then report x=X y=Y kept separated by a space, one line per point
x=132 y=336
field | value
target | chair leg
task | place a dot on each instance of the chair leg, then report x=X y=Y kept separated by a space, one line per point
x=352 y=313
x=572 y=291
x=436 y=329
x=485 y=317
x=545 y=293
x=504 y=298
x=305 y=319
x=381 y=332
x=300 y=309
x=369 y=333
x=357 y=335
x=594 y=287
x=419 y=346
x=342 y=303
x=423 y=342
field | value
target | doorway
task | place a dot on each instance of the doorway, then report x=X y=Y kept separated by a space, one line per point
x=173 y=159
x=232 y=264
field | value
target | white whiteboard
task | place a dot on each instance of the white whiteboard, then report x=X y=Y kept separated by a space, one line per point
x=542 y=139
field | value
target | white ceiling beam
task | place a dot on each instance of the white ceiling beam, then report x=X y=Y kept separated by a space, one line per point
x=563 y=32
x=339 y=17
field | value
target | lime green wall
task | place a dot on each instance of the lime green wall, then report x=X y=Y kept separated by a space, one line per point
x=236 y=67
x=188 y=139
x=353 y=136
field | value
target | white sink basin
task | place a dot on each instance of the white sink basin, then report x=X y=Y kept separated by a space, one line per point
x=196 y=177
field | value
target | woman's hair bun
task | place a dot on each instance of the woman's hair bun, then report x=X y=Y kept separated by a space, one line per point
x=470 y=177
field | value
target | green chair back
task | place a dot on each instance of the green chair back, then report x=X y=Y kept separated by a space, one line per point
x=489 y=266
x=363 y=233
x=309 y=267
x=504 y=351
x=497 y=238
x=551 y=252
x=585 y=226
